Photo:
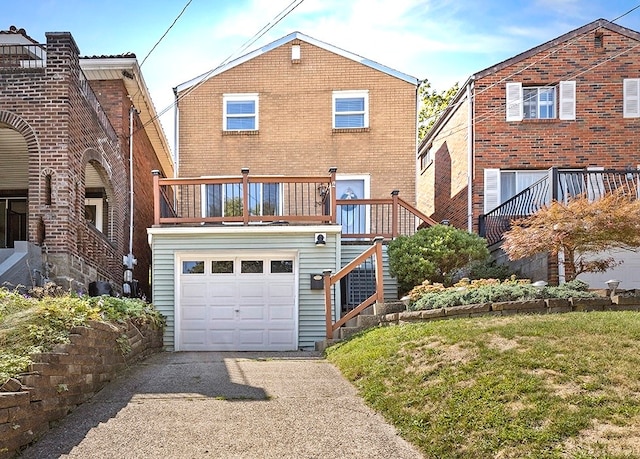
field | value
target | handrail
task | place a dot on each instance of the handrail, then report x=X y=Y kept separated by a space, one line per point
x=330 y=280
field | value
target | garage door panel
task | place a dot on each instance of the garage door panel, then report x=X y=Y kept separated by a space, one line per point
x=193 y=337
x=280 y=337
x=252 y=337
x=194 y=312
x=193 y=290
x=222 y=336
x=222 y=313
x=219 y=291
x=281 y=290
x=248 y=313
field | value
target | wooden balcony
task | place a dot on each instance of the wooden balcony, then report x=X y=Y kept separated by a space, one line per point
x=280 y=200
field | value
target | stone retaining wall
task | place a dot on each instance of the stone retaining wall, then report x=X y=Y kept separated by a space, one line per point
x=71 y=374
x=549 y=306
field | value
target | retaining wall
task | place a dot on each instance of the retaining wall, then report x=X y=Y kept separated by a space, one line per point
x=72 y=373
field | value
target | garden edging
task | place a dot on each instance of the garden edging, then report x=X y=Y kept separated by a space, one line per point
x=548 y=306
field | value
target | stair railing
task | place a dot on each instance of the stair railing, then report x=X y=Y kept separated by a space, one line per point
x=332 y=279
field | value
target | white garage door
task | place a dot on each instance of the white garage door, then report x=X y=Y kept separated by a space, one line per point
x=245 y=303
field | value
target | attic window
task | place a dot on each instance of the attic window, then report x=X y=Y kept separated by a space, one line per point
x=295 y=53
x=598 y=41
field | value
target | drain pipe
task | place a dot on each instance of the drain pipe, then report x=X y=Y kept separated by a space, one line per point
x=129 y=260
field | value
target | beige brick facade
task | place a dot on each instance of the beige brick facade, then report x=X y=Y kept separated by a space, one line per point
x=295 y=135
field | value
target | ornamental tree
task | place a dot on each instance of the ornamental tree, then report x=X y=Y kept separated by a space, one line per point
x=432 y=105
x=581 y=229
x=436 y=254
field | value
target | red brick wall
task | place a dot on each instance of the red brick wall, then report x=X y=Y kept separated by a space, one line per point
x=599 y=136
x=295 y=122
x=114 y=99
x=62 y=132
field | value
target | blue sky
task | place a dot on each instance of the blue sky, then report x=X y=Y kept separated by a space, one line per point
x=444 y=41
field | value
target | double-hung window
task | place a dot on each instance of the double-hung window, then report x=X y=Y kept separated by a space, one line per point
x=350 y=109
x=240 y=112
x=541 y=102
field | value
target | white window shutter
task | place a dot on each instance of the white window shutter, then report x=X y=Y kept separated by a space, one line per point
x=491 y=189
x=514 y=102
x=631 y=98
x=567 y=100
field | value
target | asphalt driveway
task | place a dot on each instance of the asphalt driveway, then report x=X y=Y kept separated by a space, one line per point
x=225 y=405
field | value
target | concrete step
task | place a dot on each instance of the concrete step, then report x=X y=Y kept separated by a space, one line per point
x=389 y=307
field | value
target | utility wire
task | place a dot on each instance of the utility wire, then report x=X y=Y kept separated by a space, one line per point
x=166 y=32
x=499 y=109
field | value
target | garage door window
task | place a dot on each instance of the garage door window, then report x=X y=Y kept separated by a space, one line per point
x=192 y=267
x=281 y=266
x=251 y=267
x=222 y=267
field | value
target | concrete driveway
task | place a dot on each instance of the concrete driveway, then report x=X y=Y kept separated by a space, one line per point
x=225 y=405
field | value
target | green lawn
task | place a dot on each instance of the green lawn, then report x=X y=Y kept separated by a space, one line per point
x=530 y=386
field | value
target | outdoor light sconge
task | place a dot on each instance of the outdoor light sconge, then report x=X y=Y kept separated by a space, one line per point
x=612 y=285
x=540 y=284
x=321 y=239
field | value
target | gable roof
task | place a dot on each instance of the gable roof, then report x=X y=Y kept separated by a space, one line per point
x=597 y=24
x=286 y=39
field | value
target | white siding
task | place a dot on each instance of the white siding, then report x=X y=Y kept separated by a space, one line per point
x=312 y=260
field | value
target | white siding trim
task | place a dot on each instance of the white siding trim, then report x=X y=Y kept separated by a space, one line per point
x=515 y=108
x=631 y=98
x=567 y=103
x=491 y=189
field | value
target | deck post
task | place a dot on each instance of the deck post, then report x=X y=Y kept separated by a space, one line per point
x=379 y=269
x=327 y=303
x=245 y=195
x=394 y=214
x=332 y=195
x=156 y=196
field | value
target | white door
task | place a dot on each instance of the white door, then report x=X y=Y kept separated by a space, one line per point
x=354 y=219
x=237 y=303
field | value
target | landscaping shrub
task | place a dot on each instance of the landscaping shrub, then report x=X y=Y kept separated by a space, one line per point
x=33 y=324
x=436 y=254
x=434 y=296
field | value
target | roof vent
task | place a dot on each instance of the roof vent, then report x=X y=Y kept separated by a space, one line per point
x=295 y=53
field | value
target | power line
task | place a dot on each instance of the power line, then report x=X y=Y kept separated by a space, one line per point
x=166 y=32
x=500 y=108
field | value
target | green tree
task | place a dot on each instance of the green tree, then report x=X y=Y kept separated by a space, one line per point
x=435 y=254
x=580 y=229
x=432 y=104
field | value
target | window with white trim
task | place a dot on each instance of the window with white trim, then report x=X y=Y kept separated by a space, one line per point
x=240 y=112
x=502 y=185
x=631 y=98
x=541 y=102
x=350 y=109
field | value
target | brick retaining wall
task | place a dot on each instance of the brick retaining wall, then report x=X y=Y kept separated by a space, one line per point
x=72 y=373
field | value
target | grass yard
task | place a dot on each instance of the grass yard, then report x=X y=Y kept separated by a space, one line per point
x=530 y=386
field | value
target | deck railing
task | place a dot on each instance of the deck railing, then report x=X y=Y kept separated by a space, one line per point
x=559 y=185
x=281 y=200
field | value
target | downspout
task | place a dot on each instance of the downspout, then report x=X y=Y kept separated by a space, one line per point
x=176 y=113
x=416 y=152
x=470 y=165
x=129 y=260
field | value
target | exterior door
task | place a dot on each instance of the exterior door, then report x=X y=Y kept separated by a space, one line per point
x=354 y=219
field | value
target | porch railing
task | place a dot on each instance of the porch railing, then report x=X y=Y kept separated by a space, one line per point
x=331 y=279
x=17 y=57
x=281 y=200
x=559 y=185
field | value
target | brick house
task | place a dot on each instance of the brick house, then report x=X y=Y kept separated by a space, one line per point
x=330 y=136
x=65 y=148
x=570 y=104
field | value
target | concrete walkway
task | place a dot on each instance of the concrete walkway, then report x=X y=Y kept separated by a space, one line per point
x=225 y=405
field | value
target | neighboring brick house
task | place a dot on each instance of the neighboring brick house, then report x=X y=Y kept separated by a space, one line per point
x=294 y=108
x=64 y=147
x=570 y=103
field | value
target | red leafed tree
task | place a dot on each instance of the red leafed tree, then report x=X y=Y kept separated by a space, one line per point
x=582 y=229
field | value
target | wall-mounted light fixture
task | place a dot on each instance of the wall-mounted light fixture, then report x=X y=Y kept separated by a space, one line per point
x=321 y=239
